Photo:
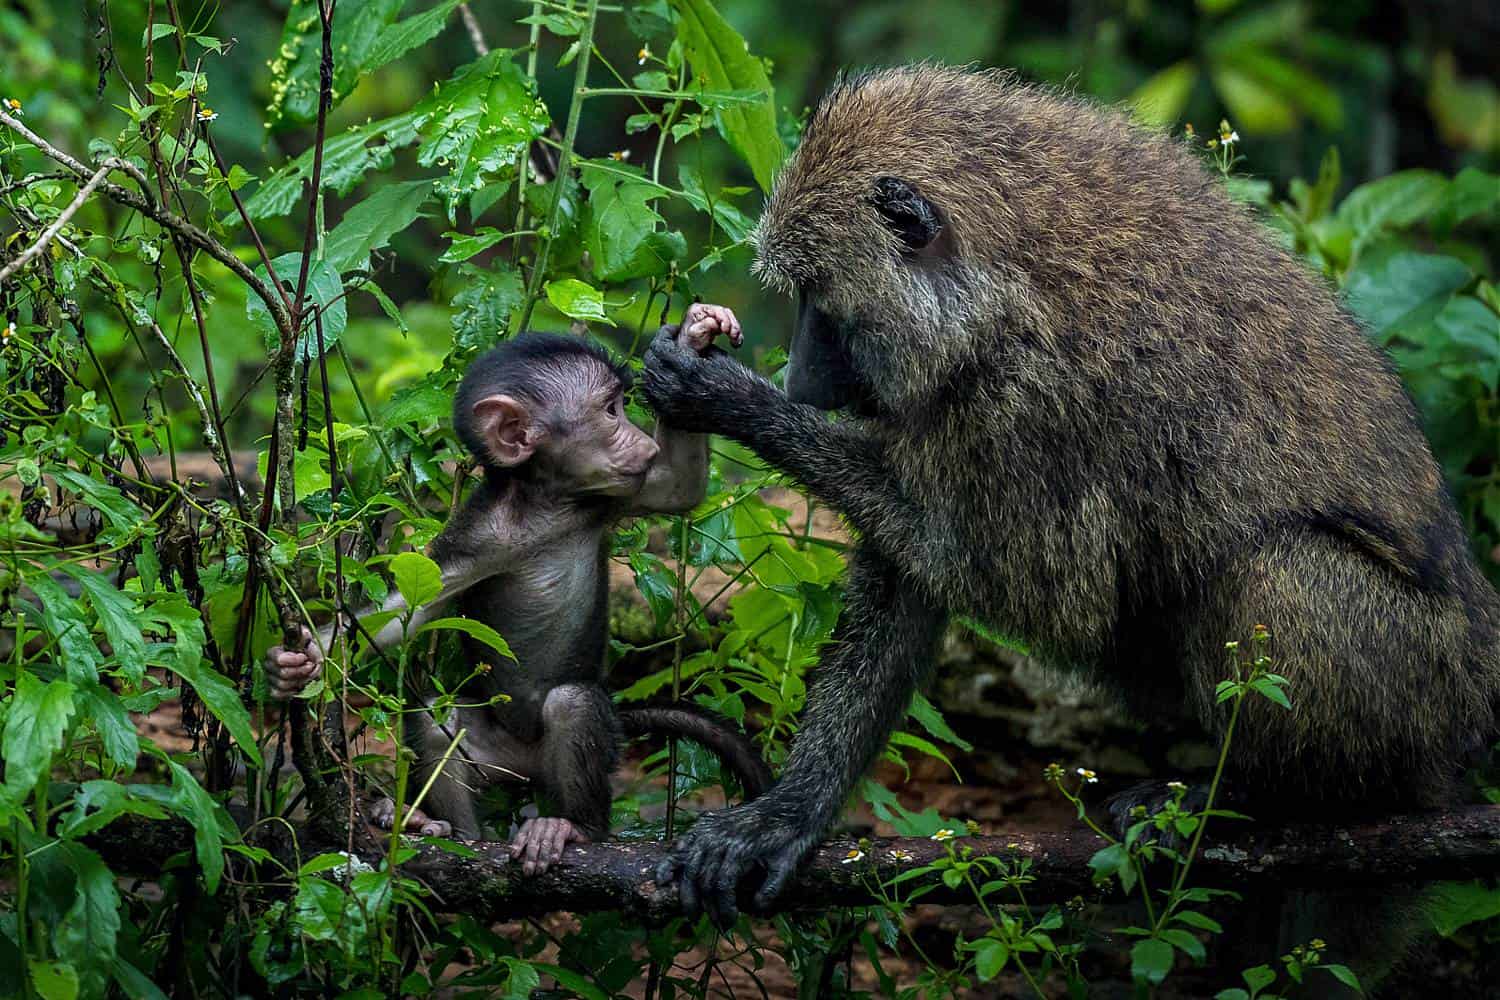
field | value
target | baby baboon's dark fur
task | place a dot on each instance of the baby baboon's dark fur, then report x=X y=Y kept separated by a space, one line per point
x=1096 y=406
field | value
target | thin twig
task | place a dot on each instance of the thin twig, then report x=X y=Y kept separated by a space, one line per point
x=82 y=196
x=147 y=206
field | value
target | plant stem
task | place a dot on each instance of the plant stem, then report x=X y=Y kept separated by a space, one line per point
x=565 y=164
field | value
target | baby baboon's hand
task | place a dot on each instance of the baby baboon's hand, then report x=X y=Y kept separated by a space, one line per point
x=540 y=842
x=289 y=671
x=703 y=322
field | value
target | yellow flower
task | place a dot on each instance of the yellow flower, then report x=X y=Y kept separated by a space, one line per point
x=1088 y=776
x=942 y=835
x=643 y=55
x=207 y=114
x=6 y=334
x=853 y=856
x=13 y=106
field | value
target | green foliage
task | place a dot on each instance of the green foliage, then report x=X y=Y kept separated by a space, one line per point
x=431 y=193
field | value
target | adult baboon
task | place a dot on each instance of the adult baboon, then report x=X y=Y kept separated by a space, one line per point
x=1087 y=400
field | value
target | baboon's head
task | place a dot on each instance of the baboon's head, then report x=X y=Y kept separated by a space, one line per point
x=884 y=224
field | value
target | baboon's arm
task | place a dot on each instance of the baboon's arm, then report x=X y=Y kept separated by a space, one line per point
x=838 y=462
x=881 y=649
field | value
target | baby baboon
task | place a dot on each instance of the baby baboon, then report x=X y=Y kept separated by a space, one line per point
x=544 y=415
x=1090 y=402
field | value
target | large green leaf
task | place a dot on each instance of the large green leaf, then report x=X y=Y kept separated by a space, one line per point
x=86 y=936
x=576 y=299
x=1404 y=293
x=370 y=224
x=324 y=290
x=474 y=629
x=1161 y=98
x=347 y=157
x=34 y=729
x=477 y=124
x=62 y=618
x=417 y=577
x=1393 y=202
x=621 y=231
x=366 y=35
x=722 y=61
x=217 y=693
x=194 y=804
x=484 y=303
x=121 y=515
x=106 y=713
x=118 y=617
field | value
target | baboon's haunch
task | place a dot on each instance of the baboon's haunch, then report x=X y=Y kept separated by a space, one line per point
x=527 y=554
x=1089 y=402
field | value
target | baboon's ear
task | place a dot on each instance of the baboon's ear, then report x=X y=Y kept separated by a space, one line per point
x=910 y=216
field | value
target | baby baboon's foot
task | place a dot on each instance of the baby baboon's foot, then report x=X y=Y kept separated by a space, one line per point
x=540 y=842
x=383 y=815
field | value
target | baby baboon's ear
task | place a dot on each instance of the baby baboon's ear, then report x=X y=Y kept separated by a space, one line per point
x=910 y=216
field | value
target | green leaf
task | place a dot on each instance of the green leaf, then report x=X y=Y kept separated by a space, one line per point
x=478 y=123
x=1473 y=192
x=323 y=863
x=419 y=404
x=86 y=936
x=1258 y=977
x=621 y=231
x=1345 y=975
x=1185 y=942
x=474 y=629
x=35 y=726
x=576 y=299
x=932 y=720
x=370 y=225
x=62 y=618
x=657 y=584
x=323 y=289
x=104 y=711
x=117 y=617
x=1253 y=106
x=721 y=60
x=463 y=247
x=54 y=980
x=220 y=697
x=1455 y=905
x=485 y=303
x=1160 y=100
x=99 y=802
x=1195 y=919
x=392 y=41
x=135 y=984
x=1151 y=960
x=417 y=577
x=1392 y=202
x=990 y=957
x=1405 y=293
x=120 y=512
x=347 y=157
x=194 y=804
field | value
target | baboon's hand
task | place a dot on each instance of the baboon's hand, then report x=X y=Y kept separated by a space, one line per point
x=383 y=815
x=699 y=392
x=289 y=671
x=540 y=841
x=710 y=860
x=703 y=322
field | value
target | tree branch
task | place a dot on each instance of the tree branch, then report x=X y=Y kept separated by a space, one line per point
x=62 y=220
x=161 y=216
x=620 y=876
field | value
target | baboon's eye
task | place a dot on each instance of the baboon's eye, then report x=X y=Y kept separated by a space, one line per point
x=910 y=216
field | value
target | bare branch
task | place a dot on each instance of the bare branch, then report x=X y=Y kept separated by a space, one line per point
x=147 y=206
x=82 y=196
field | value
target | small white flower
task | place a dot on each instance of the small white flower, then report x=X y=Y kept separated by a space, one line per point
x=13 y=106
x=207 y=114
x=897 y=854
x=6 y=334
x=643 y=55
x=1088 y=776
x=942 y=835
x=1176 y=786
x=855 y=855
x=1230 y=138
x=620 y=155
